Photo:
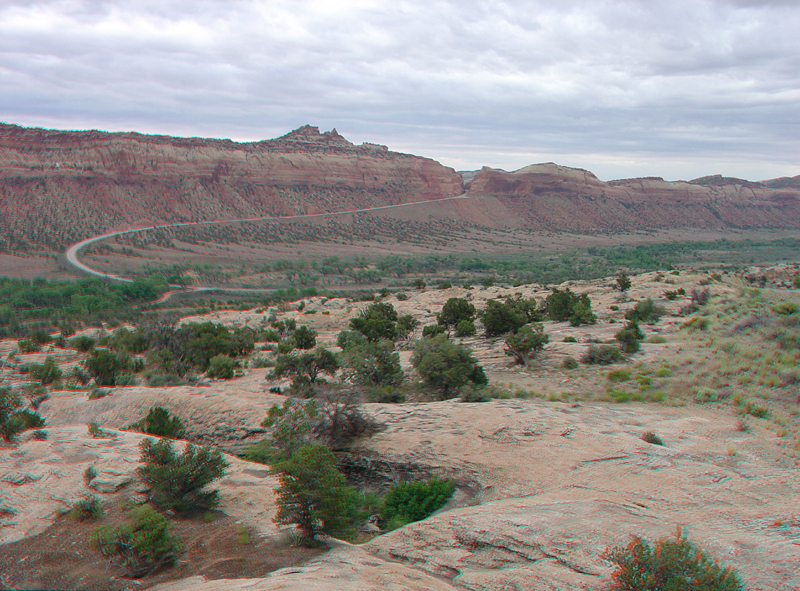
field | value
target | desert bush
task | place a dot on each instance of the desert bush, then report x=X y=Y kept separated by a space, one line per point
x=785 y=308
x=28 y=346
x=89 y=474
x=304 y=338
x=645 y=311
x=159 y=422
x=701 y=297
x=706 y=395
x=105 y=365
x=697 y=323
x=89 y=507
x=570 y=340
x=372 y=364
x=446 y=366
x=432 y=330
x=178 y=481
x=601 y=355
x=502 y=317
x=406 y=324
x=376 y=321
x=569 y=363
x=222 y=367
x=454 y=311
x=96 y=431
x=387 y=395
x=623 y=282
x=346 y=338
x=304 y=369
x=652 y=438
x=618 y=375
x=313 y=495
x=671 y=564
x=141 y=546
x=465 y=328
x=47 y=372
x=630 y=337
x=82 y=343
x=525 y=343
x=414 y=501
x=14 y=419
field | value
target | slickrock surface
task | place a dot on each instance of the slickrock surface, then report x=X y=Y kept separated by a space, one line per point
x=39 y=478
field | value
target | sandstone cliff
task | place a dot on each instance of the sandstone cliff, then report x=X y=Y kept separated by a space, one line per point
x=57 y=187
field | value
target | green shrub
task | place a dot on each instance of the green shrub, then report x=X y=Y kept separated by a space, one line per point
x=526 y=342
x=372 y=364
x=446 y=366
x=222 y=367
x=159 y=422
x=82 y=343
x=785 y=308
x=89 y=507
x=623 y=282
x=28 y=346
x=629 y=337
x=432 y=330
x=696 y=323
x=313 y=495
x=601 y=355
x=13 y=419
x=570 y=340
x=645 y=311
x=706 y=395
x=619 y=375
x=569 y=363
x=178 y=481
x=414 y=501
x=465 y=328
x=47 y=372
x=140 y=547
x=671 y=564
x=652 y=438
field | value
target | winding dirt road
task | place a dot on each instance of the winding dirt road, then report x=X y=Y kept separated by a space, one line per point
x=72 y=252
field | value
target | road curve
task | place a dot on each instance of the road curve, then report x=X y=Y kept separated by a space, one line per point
x=72 y=252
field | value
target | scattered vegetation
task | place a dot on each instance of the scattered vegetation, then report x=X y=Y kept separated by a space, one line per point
x=158 y=422
x=669 y=564
x=140 y=547
x=178 y=481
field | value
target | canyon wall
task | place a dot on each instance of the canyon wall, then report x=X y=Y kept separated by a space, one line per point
x=57 y=187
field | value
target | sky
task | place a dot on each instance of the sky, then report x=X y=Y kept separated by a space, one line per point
x=623 y=88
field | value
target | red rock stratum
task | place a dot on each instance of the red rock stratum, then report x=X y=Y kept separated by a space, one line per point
x=57 y=187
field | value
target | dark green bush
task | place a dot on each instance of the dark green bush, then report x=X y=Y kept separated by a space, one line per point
x=222 y=367
x=159 y=422
x=645 y=311
x=446 y=366
x=465 y=328
x=178 y=481
x=89 y=507
x=314 y=496
x=601 y=355
x=630 y=337
x=414 y=501
x=672 y=564
x=140 y=547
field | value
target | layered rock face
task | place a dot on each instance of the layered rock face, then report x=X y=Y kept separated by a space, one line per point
x=553 y=197
x=56 y=187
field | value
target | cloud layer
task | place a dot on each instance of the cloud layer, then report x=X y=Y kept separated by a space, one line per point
x=623 y=88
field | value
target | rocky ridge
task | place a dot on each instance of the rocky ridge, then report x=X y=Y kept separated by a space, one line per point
x=57 y=187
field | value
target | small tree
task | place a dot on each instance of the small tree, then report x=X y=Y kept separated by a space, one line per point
x=372 y=364
x=105 y=365
x=141 y=546
x=454 y=311
x=645 y=311
x=623 y=282
x=304 y=338
x=305 y=368
x=290 y=426
x=377 y=321
x=526 y=343
x=159 y=422
x=446 y=366
x=47 y=372
x=672 y=564
x=500 y=318
x=222 y=367
x=629 y=337
x=177 y=481
x=313 y=495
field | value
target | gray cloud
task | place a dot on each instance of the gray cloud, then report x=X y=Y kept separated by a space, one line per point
x=623 y=88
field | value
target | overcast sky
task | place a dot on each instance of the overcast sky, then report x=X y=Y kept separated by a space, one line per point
x=676 y=88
